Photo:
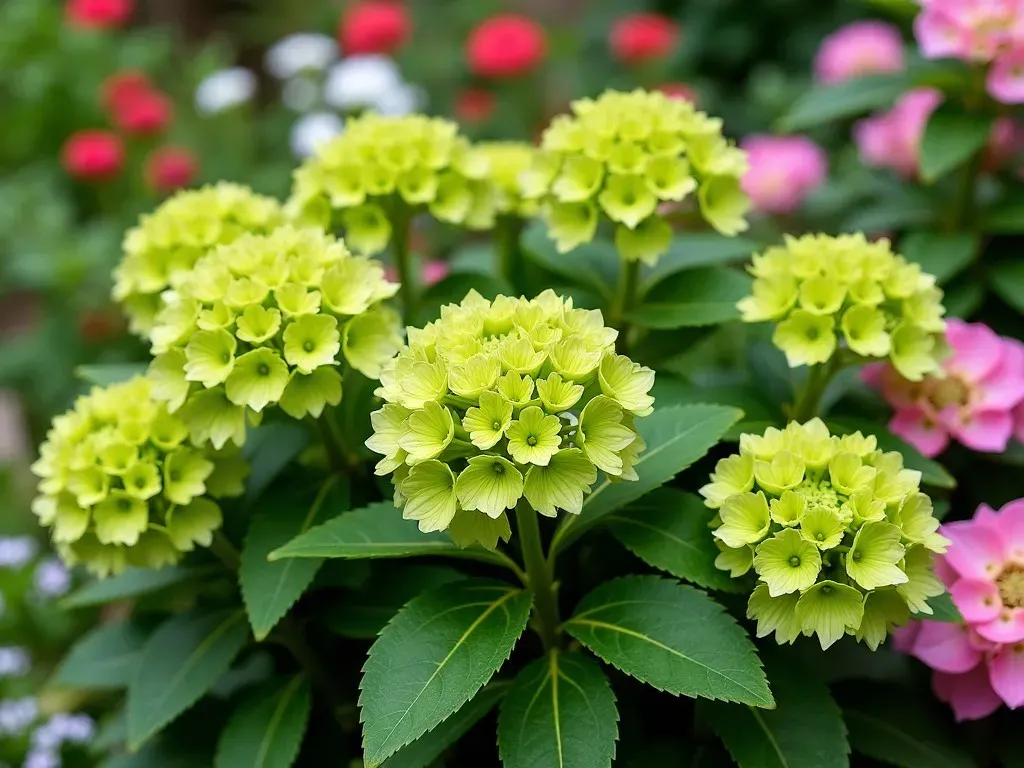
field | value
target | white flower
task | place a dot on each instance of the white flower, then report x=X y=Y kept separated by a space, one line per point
x=16 y=551
x=403 y=100
x=51 y=578
x=225 y=89
x=41 y=759
x=14 y=662
x=16 y=715
x=300 y=94
x=312 y=130
x=358 y=82
x=300 y=52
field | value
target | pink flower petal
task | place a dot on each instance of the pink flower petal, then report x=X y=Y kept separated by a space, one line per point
x=1018 y=423
x=977 y=350
x=1006 y=674
x=922 y=432
x=945 y=571
x=1003 y=387
x=945 y=647
x=903 y=638
x=1010 y=520
x=987 y=431
x=976 y=552
x=969 y=694
x=1008 y=627
x=939 y=36
x=978 y=601
x=1006 y=78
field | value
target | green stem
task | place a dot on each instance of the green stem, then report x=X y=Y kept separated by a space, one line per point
x=404 y=262
x=818 y=377
x=222 y=547
x=538 y=575
x=625 y=299
x=506 y=236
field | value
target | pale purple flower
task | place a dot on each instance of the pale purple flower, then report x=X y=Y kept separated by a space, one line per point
x=41 y=759
x=52 y=578
x=16 y=551
x=14 y=661
x=16 y=715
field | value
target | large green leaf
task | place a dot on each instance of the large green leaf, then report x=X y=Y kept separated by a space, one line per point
x=932 y=473
x=668 y=529
x=805 y=730
x=270 y=589
x=705 y=296
x=673 y=637
x=269 y=449
x=942 y=254
x=943 y=609
x=847 y=99
x=110 y=373
x=267 y=728
x=428 y=747
x=105 y=657
x=758 y=412
x=594 y=265
x=676 y=437
x=1007 y=279
x=952 y=137
x=690 y=250
x=181 y=661
x=433 y=657
x=134 y=582
x=560 y=711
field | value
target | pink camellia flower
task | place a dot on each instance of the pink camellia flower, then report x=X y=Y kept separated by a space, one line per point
x=858 y=49
x=783 y=171
x=973 y=403
x=893 y=139
x=979 y=665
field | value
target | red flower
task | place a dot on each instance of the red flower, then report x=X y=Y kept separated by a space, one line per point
x=93 y=155
x=680 y=91
x=374 y=26
x=98 y=14
x=474 y=106
x=170 y=168
x=144 y=114
x=122 y=88
x=96 y=325
x=643 y=37
x=506 y=46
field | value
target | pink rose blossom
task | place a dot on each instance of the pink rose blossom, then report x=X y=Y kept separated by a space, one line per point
x=858 y=49
x=893 y=139
x=783 y=171
x=975 y=403
x=979 y=664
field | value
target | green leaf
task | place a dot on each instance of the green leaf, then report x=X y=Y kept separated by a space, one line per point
x=932 y=473
x=180 y=663
x=433 y=657
x=668 y=529
x=270 y=589
x=474 y=258
x=269 y=449
x=943 y=609
x=676 y=437
x=428 y=747
x=110 y=373
x=1006 y=218
x=705 y=296
x=673 y=637
x=560 y=711
x=942 y=254
x=1007 y=279
x=267 y=728
x=105 y=657
x=847 y=99
x=690 y=250
x=758 y=414
x=805 y=730
x=952 y=137
x=132 y=583
x=594 y=265
x=964 y=298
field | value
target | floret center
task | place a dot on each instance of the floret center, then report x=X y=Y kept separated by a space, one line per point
x=1011 y=586
x=949 y=391
x=531 y=440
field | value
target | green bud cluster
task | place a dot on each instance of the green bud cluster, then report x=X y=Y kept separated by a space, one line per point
x=266 y=321
x=382 y=166
x=506 y=400
x=507 y=161
x=837 y=531
x=826 y=291
x=167 y=243
x=121 y=485
x=625 y=154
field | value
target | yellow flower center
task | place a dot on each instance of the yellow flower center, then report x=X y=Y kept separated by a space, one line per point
x=819 y=493
x=949 y=391
x=1011 y=586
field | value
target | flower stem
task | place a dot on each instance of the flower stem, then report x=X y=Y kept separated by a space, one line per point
x=403 y=262
x=222 y=547
x=625 y=299
x=538 y=575
x=818 y=378
x=506 y=235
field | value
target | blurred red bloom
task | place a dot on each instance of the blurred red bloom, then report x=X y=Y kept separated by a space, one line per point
x=474 y=106
x=643 y=37
x=374 y=26
x=98 y=14
x=506 y=46
x=680 y=91
x=122 y=88
x=93 y=155
x=170 y=168
x=97 y=325
x=144 y=113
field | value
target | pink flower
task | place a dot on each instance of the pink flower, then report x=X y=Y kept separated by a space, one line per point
x=783 y=171
x=858 y=49
x=972 y=30
x=1006 y=78
x=893 y=139
x=1005 y=143
x=975 y=403
x=979 y=664
x=433 y=271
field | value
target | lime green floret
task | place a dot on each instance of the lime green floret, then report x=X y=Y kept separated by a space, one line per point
x=620 y=158
x=122 y=485
x=507 y=161
x=383 y=167
x=269 y=320
x=167 y=243
x=838 y=533
x=505 y=400
x=828 y=293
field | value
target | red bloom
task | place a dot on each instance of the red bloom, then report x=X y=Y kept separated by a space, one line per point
x=145 y=114
x=680 y=91
x=643 y=37
x=122 y=88
x=374 y=26
x=506 y=46
x=96 y=325
x=474 y=106
x=170 y=168
x=93 y=155
x=98 y=14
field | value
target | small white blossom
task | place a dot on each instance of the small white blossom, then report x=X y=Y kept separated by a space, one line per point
x=41 y=759
x=16 y=715
x=312 y=130
x=225 y=89
x=14 y=662
x=301 y=52
x=52 y=578
x=359 y=82
x=16 y=551
x=401 y=101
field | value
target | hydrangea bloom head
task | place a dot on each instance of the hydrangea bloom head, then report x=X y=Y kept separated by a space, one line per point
x=505 y=400
x=838 y=533
x=121 y=485
x=829 y=292
x=507 y=161
x=972 y=402
x=354 y=181
x=977 y=663
x=619 y=157
x=784 y=170
x=893 y=139
x=266 y=321
x=858 y=49
x=161 y=250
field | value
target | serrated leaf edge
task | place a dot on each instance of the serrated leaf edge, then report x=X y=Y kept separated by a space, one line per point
x=286 y=695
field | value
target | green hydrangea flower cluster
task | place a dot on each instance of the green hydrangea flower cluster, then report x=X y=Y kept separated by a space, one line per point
x=837 y=531
x=507 y=162
x=120 y=484
x=379 y=166
x=167 y=243
x=506 y=400
x=624 y=155
x=827 y=291
x=265 y=321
